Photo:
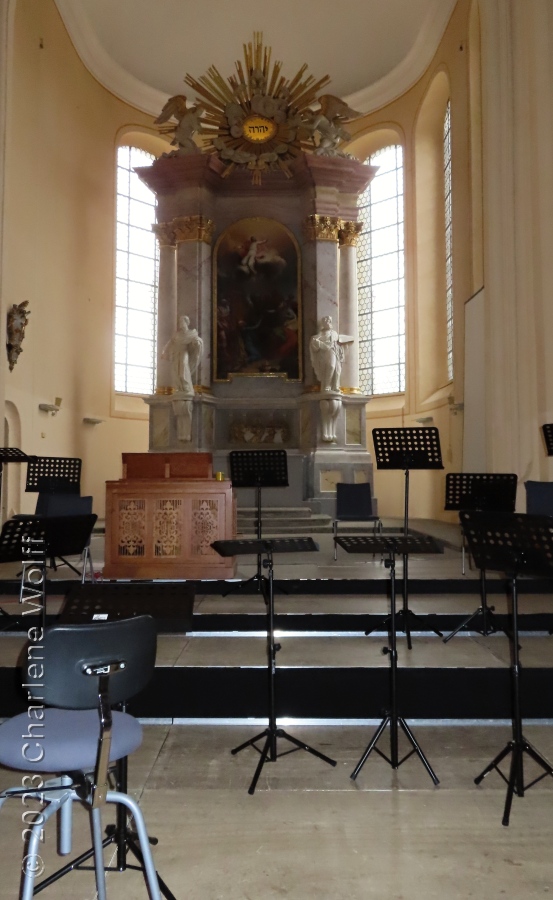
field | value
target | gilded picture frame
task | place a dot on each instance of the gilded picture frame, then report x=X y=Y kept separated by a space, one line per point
x=256 y=301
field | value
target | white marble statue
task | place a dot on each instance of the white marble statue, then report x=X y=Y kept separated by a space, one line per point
x=326 y=350
x=183 y=351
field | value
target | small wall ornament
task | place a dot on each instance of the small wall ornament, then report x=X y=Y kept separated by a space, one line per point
x=18 y=316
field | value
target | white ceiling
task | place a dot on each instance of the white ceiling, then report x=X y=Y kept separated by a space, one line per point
x=373 y=50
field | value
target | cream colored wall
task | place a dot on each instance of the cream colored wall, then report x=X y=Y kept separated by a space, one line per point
x=62 y=132
x=418 y=116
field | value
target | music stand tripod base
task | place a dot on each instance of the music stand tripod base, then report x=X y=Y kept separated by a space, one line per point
x=517 y=545
x=390 y=547
x=269 y=751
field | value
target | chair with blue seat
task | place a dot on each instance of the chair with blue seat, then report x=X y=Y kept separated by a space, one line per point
x=539 y=498
x=84 y=671
x=354 y=503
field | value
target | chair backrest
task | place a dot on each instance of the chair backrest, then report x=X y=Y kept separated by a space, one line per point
x=539 y=498
x=63 y=505
x=354 y=502
x=66 y=649
x=485 y=491
x=67 y=535
x=14 y=535
x=54 y=473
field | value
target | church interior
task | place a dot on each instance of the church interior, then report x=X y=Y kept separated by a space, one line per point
x=277 y=440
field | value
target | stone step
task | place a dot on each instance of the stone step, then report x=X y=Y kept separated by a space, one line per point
x=276 y=512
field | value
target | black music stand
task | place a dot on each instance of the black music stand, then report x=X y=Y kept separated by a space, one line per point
x=23 y=539
x=548 y=438
x=407 y=448
x=51 y=474
x=272 y=732
x=483 y=492
x=516 y=544
x=9 y=455
x=257 y=469
x=392 y=546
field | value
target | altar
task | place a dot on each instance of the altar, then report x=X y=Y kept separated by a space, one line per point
x=257 y=223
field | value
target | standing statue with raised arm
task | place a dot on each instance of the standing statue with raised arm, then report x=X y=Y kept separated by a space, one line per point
x=326 y=350
x=183 y=351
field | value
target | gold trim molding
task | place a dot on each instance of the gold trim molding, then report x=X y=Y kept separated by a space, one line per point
x=348 y=233
x=193 y=228
x=164 y=391
x=350 y=390
x=321 y=228
x=165 y=233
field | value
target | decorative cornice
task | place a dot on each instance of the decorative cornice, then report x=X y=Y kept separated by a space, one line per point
x=349 y=233
x=193 y=228
x=321 y=228
x=165 y=233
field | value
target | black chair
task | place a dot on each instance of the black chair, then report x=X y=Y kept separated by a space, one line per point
x=85 y=670
x=354 y=504
x=539 y=498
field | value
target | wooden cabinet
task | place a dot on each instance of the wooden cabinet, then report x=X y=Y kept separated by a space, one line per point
x=163 y=528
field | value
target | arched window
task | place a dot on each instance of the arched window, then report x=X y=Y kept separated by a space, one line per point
x=136 y=277
x=448 y=242
x=381 y=284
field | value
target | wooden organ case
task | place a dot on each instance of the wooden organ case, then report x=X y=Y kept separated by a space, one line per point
x=163 y=516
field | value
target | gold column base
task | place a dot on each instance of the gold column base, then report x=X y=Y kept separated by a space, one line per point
x=165 y=391
x=350 y=390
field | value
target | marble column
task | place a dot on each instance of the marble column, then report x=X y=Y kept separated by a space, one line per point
x=167 y=301
x=348 y=315
x=194 y=235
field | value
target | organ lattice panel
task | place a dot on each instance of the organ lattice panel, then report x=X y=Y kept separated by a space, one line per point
x=156 y=529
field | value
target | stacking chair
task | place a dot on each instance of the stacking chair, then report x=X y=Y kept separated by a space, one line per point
x=539 y=498
x=85 y=669
x=354 y=504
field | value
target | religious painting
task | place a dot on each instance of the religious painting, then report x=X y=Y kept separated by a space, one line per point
x=256 y=317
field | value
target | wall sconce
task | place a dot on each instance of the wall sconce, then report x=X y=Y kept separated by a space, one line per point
x=426 y=420
x=52 y=408
x=91 y=420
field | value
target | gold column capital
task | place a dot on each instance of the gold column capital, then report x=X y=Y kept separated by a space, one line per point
x=193 y=228
x=321 y=228
x=165 y=233
x=349 y=233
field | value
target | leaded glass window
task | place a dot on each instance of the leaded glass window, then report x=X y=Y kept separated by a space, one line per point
x=448 y=242
x=137 y=269
x=381 y=282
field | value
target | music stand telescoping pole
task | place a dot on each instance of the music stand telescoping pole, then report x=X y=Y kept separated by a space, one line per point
x=272 y=733
x=407 y=448
x=391 y=546
x=257 y=469
x=517 y=545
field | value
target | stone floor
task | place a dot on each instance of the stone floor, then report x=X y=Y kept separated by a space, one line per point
x=309 y=831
